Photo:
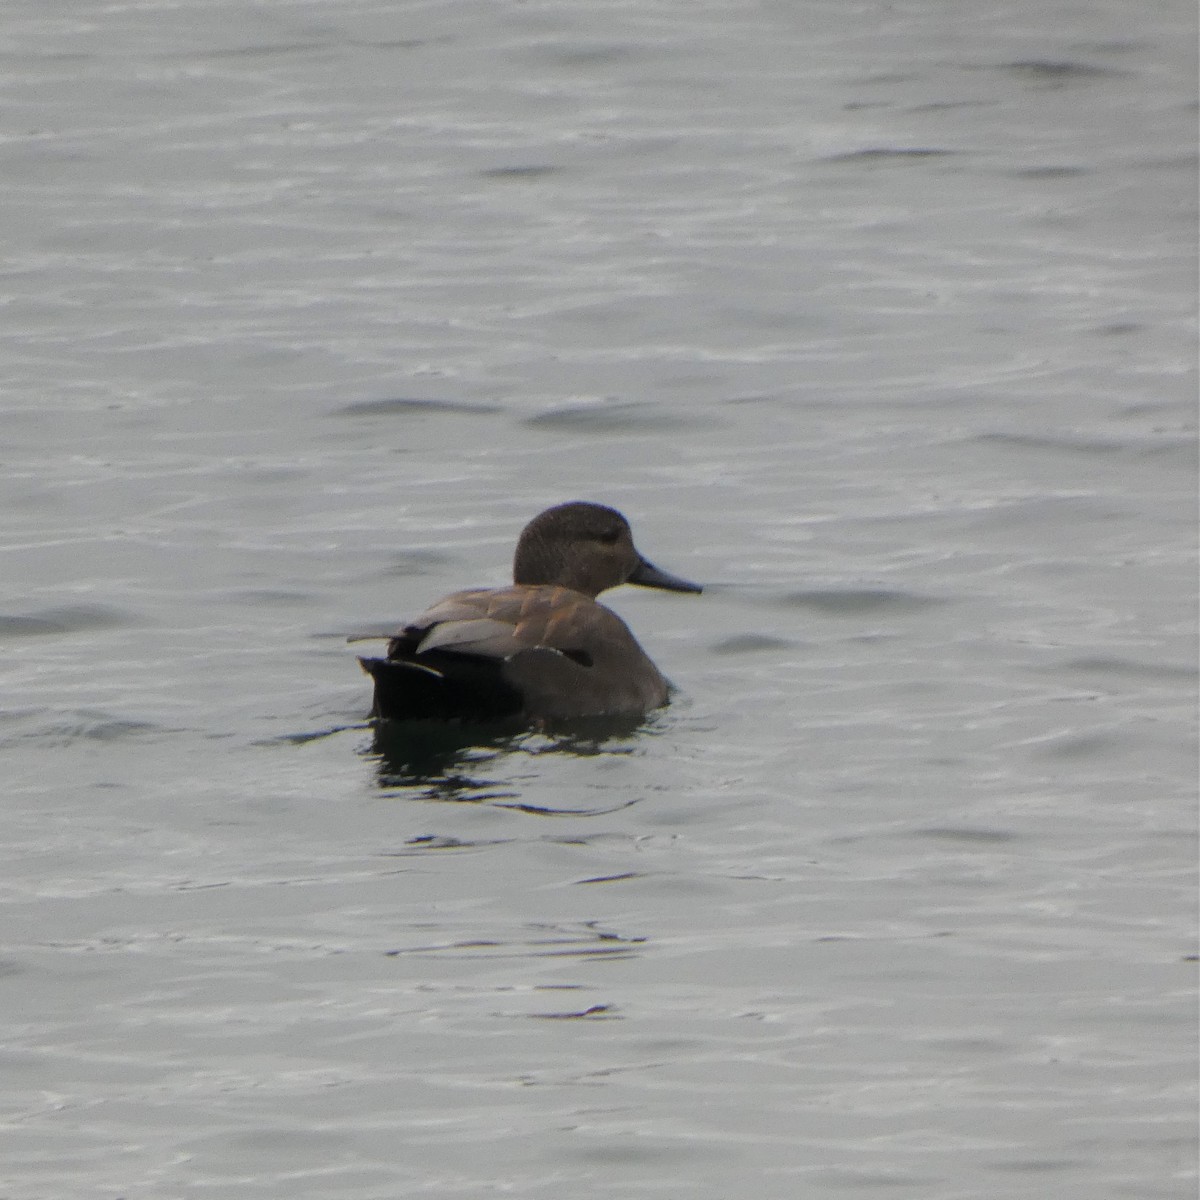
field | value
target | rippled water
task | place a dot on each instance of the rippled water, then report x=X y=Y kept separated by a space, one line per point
x=878 y=320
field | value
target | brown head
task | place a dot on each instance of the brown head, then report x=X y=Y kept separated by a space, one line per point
x=586 y=547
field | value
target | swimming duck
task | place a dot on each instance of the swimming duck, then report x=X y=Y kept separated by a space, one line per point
x=542 y=649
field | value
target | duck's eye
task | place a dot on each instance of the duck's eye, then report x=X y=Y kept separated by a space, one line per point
x=610 y=537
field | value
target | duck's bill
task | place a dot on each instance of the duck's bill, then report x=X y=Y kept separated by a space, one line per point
x=648 y=575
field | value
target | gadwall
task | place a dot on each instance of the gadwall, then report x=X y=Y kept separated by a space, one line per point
x=541 y=650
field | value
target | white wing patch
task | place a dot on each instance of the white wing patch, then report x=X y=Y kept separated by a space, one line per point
x=492 y=639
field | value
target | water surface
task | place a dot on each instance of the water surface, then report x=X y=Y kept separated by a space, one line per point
x=880 y=321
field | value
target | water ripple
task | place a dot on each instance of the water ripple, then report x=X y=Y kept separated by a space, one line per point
x=51 y=622
x=853 y=601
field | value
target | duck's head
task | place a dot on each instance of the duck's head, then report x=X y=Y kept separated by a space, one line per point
x=586 y=547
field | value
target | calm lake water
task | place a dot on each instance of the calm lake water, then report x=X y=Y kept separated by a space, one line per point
x=878 y=319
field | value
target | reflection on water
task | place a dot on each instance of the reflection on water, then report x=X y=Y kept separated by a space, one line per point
x=441 y=761
x=451 y=760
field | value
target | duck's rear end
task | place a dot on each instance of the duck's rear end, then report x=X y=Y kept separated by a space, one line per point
x=445 y=687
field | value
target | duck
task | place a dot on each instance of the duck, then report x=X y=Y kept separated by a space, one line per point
x=542 y=650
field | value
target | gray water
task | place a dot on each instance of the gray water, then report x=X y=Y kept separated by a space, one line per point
x=879 y=320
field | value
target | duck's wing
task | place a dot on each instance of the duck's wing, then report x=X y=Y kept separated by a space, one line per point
x=474 y=635
x=501 y=622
